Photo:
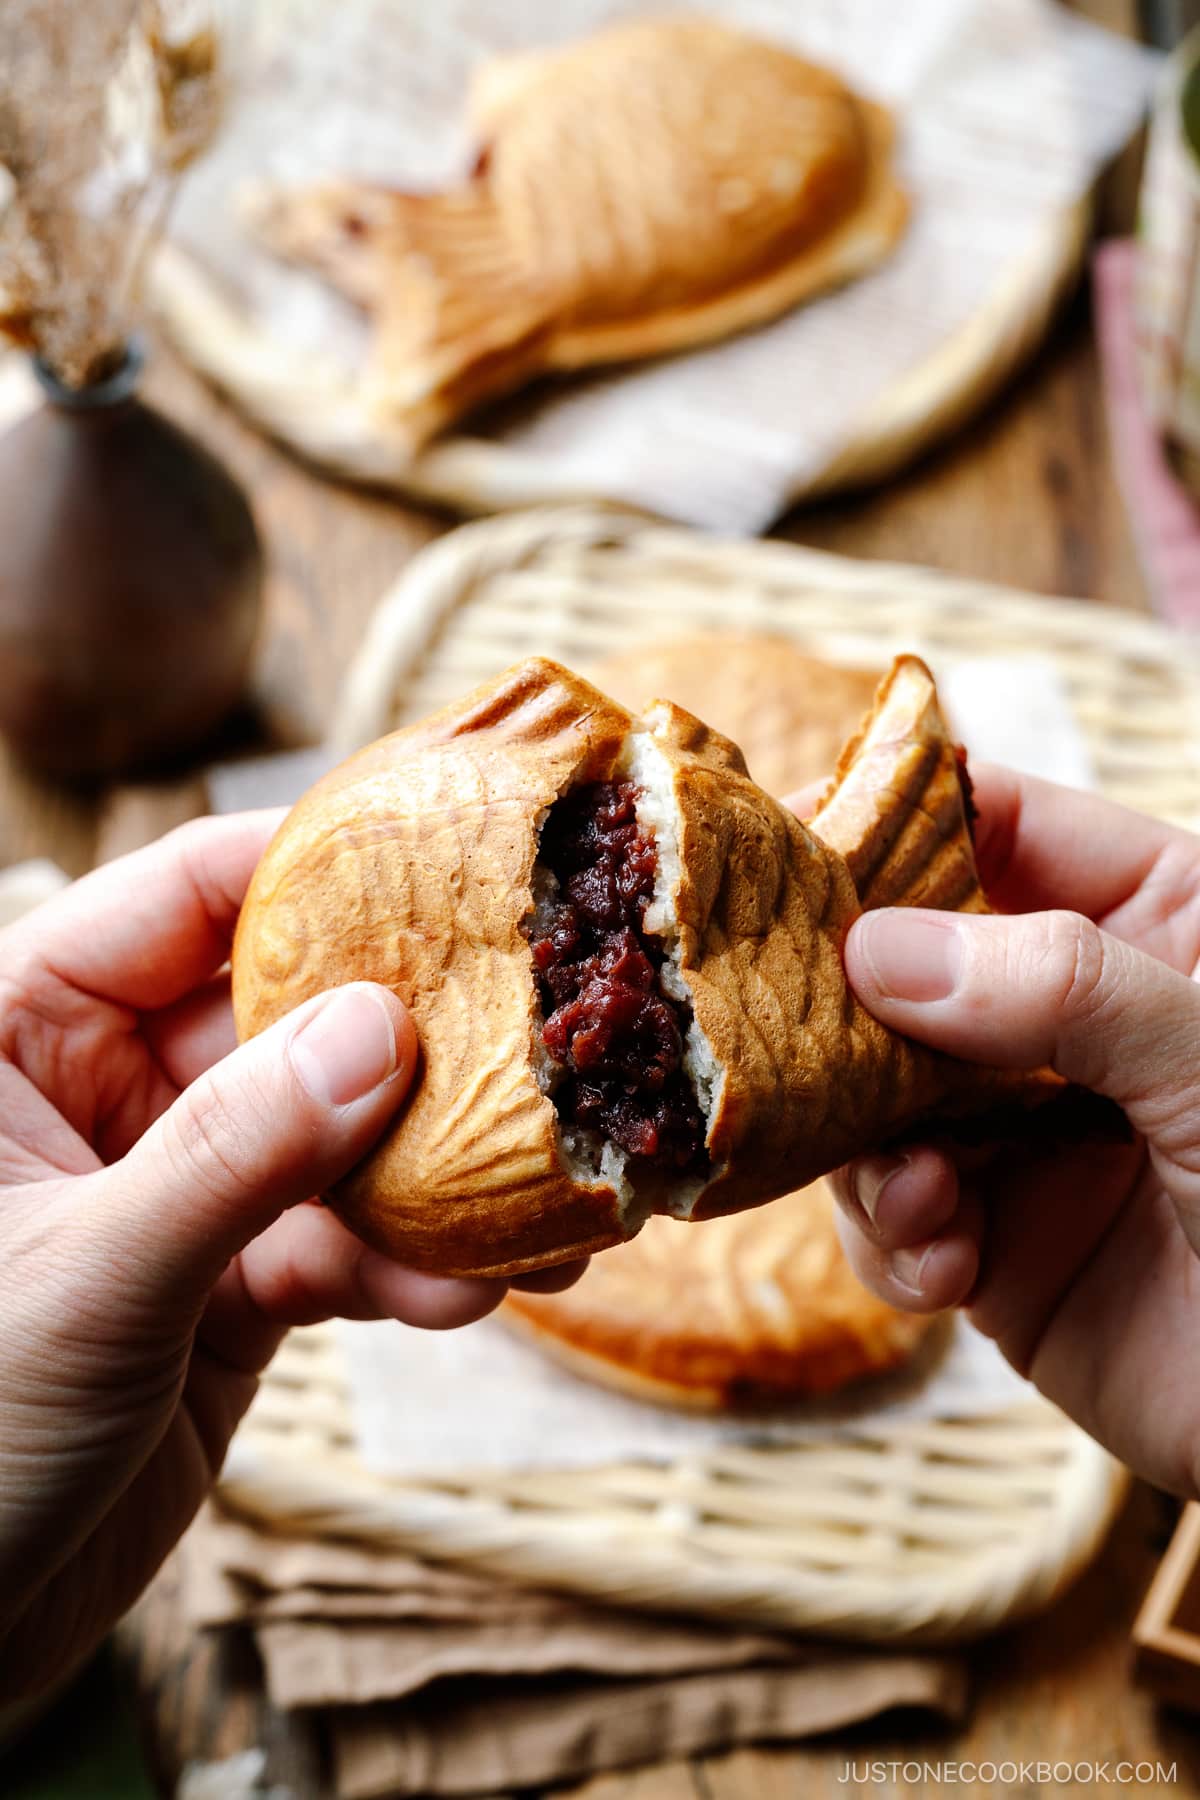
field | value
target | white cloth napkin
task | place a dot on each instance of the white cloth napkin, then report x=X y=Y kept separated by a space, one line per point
x=1015 y=710
x=435 y=1403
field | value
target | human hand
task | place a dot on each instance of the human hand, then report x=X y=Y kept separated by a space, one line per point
x=1080 y=1262
x=156 y=1232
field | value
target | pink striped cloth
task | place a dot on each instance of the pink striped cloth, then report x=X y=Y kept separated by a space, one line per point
x=1164 y=517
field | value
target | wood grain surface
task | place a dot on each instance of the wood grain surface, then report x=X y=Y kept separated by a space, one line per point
x=1024 y=496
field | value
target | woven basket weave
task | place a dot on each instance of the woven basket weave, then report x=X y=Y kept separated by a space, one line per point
x=932 y=1531
x=928 y=1532
x=577 y=583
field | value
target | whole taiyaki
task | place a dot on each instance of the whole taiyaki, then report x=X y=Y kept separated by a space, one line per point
x=789 y=714
x=758 y=1307
x=665 y=183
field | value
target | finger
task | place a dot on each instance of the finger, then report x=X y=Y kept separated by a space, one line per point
x=804 y=801
x=898 y=1200
x=1047 y=988
x=308 y=1266
x=1039 y=846
x=145 y=929
x=193 y=1034
x=1048 y=1218
x=552 y=1281
x=924 y=1277
x=185 y=1040
x=283 y=1117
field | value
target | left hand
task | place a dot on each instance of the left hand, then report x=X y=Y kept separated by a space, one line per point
x=157 y=1235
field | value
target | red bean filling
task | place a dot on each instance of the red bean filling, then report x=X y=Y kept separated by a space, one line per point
x=609 y=1023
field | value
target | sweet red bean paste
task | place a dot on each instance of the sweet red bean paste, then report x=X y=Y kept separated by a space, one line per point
x=608 y=1022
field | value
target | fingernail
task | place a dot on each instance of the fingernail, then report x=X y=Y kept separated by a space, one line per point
x=908 y=1266
x=347 y=1048
x=911 y=955
x=870 y=1176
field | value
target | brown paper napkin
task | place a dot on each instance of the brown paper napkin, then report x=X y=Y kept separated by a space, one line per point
x=505 y=1735
x=439 y=1681
x=313 y=1663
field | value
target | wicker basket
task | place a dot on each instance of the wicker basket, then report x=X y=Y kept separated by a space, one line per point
x=923 y=1532
x=577 y=583
x=929 y=1531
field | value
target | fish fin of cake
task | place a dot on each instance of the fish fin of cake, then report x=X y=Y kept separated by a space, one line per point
x=454 y=319
x=899 y=806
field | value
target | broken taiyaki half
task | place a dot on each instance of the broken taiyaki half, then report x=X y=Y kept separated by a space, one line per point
x=666 y=183
x=899 y=806
x=624 y=963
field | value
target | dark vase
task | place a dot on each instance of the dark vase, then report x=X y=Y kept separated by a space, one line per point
x=130 y=584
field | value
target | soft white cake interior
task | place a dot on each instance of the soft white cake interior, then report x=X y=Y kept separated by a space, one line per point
x=588 y=1157
x=645 y=763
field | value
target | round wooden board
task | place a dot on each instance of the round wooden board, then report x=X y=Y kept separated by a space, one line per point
x=326 y=422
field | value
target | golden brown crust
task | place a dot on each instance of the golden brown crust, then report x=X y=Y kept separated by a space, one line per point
x=412 y=865
x=896 y=807
x=663 y=184
x=758 y=1307
x=810 y=1078
x=788 y=713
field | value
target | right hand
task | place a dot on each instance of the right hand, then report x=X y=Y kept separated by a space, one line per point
x=1083 y=1263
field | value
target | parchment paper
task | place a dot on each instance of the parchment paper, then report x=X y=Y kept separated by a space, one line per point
x=480 y=1398
x=1008 y=108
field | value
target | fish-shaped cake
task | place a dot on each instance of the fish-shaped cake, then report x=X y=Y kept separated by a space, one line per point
x=624 y=963
x=663 y=184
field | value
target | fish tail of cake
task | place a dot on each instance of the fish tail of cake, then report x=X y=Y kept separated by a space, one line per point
x=455 y=319
x=899 y=807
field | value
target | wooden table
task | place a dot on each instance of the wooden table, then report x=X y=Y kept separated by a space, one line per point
x=1024 y=496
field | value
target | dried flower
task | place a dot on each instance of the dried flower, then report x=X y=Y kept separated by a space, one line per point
x=101 y=106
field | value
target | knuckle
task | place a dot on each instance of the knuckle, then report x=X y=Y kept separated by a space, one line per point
x=190 y=838
x=190 y=848
x=1072 y=964
x=1072 y=970
x=288 y=1292
x=209 y=1142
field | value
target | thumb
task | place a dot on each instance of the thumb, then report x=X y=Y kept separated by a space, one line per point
x=279 y=1120
x=1020 y=992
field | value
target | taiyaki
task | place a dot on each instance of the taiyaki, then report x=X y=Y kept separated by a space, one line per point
x=662 y=184
x=789 y=714
x=758 y=1307
x=623 y=959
